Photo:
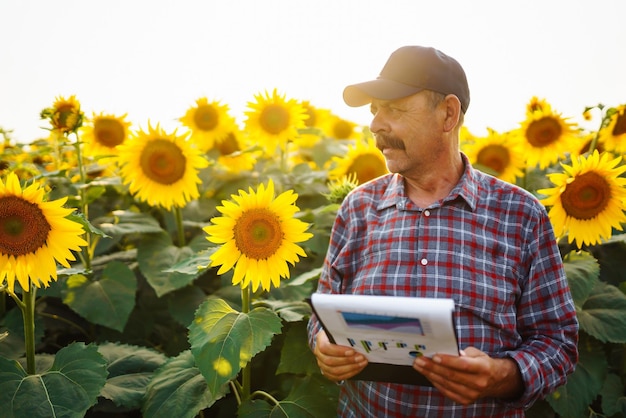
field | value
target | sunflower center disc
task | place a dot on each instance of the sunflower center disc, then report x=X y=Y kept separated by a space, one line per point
x=367 y=167
x=274 y=119
x=206 y=118
x=23 y=227
x=108 y=132
x=228 y=144
x=586 y=197
x=163 y=162
x=620 y=125
x=342 y=130
x=543 y=132
x=258 y=234
x=495 y=157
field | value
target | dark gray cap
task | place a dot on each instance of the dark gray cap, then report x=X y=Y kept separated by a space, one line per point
x=409 y=70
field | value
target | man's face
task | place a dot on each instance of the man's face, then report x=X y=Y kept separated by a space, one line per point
x=408 y=131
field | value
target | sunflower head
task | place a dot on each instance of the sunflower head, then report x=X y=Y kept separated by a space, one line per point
x=161 y=168
x=102 y=134
x=34 y=235
x=65 y=115
x=340 y=188
x=363 y=160
x=209 y=122
x=339 y=128
x=232 y=154
x=273 y=120
x=545 y=134
x=589 y=198
x=497 y=154
x=258 y=236
x=613 y=132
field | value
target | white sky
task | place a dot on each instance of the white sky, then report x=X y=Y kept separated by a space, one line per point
x=153 y=58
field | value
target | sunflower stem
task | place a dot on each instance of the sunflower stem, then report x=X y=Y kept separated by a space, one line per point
x=28 y=314
x=3 y=300
x=593 y=144
x=178 y=215
x=283 y=158
x=17 y=300
x=246 y=377
x=267 y=396
x=57 y=150
x=87 y=250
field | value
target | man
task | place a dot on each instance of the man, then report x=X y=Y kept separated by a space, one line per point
x=436 y=227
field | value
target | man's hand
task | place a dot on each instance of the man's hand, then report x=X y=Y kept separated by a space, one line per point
x=337 y=362
x=472 y=375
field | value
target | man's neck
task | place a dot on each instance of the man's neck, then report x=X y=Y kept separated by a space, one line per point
x=432 y=186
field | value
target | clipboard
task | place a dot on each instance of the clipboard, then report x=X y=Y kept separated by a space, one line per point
x=389 y=331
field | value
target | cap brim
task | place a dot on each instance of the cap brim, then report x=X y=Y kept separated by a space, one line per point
x=362 y=93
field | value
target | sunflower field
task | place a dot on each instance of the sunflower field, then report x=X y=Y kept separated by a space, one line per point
x=147 y=272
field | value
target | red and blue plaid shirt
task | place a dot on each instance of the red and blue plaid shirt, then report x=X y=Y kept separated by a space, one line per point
x=489 y=246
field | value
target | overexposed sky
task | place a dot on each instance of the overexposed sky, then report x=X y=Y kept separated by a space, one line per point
x=153 y=58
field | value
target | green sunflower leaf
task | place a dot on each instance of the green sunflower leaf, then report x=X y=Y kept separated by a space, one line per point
x=179 y=390
x=107 y=301
x=604 y=314
x=583 y=386
x=312 y=397
x=582 y=271
x=182 y=303
x=12 y=333
x=613 y=399
x=127 y=222
x=156 y=256
x=68 y=389
x=130 y=369
x=224 y=340
x=296 y=356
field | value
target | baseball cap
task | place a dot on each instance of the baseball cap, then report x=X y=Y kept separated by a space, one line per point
x=409 y=70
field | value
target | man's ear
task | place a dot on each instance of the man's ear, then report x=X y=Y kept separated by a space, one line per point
x=453 y=112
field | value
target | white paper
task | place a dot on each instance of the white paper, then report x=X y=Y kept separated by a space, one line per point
x=388 y=329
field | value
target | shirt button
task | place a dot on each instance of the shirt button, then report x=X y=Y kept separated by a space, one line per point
x=426 y=213
x=423 y=261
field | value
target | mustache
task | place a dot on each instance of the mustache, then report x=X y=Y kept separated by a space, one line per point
x=388 y=141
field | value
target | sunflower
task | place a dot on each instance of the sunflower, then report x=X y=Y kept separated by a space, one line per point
x=65 y=115
x=232 y=154
x=613 y=135
x=258 y=235
x=103 y=133
x=589 y=198
x=496 y=154
x=34 y=235
x=209 y=122
x=160 y=168
x=313 y=114
x=363 y=160
x=545 y=135
x=339 y=128
x=273 y=120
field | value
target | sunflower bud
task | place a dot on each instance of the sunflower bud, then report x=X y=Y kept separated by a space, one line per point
x=65 y=115
x=340 y=188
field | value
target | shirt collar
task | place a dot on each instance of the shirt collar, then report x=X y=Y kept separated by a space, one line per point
x=467 y=188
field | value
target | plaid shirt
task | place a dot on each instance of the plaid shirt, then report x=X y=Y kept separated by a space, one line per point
x=489 y=246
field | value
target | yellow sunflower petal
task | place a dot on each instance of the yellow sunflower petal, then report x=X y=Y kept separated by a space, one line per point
x=262 y=230
x=588 y=202
x=160 y=168
x=363 y=160
x=273 y=120
x=34 y=235
x=545 y=135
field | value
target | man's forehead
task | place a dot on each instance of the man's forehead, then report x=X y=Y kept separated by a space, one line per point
x=402 y=100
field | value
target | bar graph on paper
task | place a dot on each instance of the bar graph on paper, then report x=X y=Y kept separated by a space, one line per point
x=391 y=330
